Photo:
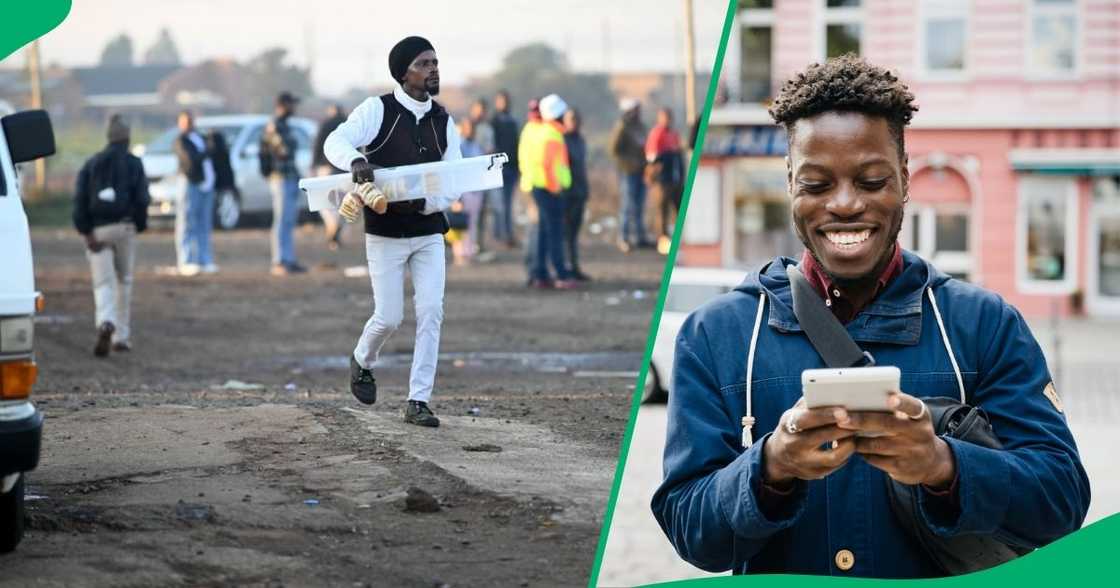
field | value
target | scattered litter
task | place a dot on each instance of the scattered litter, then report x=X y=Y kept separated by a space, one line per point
x=613 y=301
x=188 y=511
x=238 y=385
x=639 y=294
x=595 y=228
x=483 y=448
x=459 y=363
x=290 y=386
x=474 y=411
x=356 y=271
x=419 y=500
x=311 y=502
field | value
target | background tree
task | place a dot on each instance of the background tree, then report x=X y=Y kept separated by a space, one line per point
x=163 y=51
x=536 y=70
x=268 y=75
x=117 y=51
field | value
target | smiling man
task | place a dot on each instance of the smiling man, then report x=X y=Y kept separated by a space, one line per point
x=809 y=494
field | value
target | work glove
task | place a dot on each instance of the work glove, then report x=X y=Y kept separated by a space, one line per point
x=351 y=207
x=361 y=171
x=365 y=194
x=372 y=197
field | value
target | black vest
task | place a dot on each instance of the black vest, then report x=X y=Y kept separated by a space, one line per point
x=402 y=140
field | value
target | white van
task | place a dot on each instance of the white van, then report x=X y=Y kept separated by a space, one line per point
x=24 y=136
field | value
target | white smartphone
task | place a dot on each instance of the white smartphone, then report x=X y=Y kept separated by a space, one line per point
x=859 y=388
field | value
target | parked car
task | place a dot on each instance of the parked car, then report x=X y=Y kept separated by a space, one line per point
x=24 y=136
x=689 y=288
x=243 y=134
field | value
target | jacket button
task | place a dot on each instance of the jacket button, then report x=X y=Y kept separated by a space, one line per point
x=845 y=559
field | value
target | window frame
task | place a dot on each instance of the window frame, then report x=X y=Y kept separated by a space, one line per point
x=826 y=16
x=1023 y=282
x=1031 y=69
x=925 y=14
x=751 y=17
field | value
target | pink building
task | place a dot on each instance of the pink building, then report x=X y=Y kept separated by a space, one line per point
x=1014 y=155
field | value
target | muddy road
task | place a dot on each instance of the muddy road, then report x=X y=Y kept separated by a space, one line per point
x=226 y=448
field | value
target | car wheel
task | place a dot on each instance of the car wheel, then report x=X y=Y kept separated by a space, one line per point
x=652 y=392
x=227 y=210
x=11 y=517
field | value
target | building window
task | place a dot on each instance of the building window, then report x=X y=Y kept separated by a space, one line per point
x=940 y=233
x=1052 y=49
x=760 y=214
x=756 y=35
x=1047 y=235
x=842 y=28
x=944 y=35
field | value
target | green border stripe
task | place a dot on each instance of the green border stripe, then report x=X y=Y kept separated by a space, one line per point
x=24 y=22
x=655 y=320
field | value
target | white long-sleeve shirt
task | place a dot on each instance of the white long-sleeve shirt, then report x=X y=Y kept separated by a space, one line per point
x=362 y=126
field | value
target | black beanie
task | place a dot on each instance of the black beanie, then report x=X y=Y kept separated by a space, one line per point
x=404 y=52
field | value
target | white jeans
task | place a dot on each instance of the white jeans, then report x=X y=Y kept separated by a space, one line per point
x=388 y=259
x=111 y=270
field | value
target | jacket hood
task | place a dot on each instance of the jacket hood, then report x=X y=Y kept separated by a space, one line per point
x=902 y=297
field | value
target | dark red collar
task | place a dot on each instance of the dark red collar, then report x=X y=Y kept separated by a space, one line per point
x=840 y=304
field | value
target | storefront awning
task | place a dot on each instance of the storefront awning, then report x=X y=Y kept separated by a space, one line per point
x=1067 y=162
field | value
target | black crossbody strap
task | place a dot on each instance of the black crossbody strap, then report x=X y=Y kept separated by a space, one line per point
x=828 y=336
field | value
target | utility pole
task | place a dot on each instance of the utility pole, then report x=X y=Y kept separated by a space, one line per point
x=690 y=64
x=36 y=83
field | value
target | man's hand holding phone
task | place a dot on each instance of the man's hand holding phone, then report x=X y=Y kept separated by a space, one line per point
x=794 y=450
x=905 y=447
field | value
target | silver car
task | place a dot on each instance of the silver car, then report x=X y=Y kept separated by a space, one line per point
x=689 y=288
x=242 y=133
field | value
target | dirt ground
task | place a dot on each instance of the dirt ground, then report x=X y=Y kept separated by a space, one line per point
x=226 y=448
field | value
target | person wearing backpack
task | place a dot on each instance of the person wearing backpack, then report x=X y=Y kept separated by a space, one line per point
x=110 y=208
x=756 y=482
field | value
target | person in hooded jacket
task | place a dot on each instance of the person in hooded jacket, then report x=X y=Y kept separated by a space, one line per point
x=756 y=482
x=110 y=208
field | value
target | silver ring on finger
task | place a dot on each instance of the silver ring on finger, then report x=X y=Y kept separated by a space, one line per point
x=791 y=426
x=922 y=413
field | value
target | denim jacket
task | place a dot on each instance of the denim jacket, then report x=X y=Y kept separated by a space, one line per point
x=1030 y=493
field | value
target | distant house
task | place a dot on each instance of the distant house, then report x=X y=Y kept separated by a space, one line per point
x=61 y=94
x=133 y=90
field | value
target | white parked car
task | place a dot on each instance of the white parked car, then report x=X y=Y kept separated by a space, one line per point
x=243 y=134
x=24 y=136
x=689 y=288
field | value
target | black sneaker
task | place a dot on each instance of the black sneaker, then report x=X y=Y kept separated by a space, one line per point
x=104 y=338
x=362 y=384
x=418 y=413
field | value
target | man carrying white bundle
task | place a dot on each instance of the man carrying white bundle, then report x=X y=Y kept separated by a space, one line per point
x=405 y=127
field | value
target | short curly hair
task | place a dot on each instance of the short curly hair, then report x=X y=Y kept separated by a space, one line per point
x=849 y=84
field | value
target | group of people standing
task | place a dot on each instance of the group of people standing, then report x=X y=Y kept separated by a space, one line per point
x=204 y=165
x=482 y=134
x=111 y=202
x=549 y=156
x=653 y=160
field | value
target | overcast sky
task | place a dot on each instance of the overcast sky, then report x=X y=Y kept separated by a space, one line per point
x=348 y=40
